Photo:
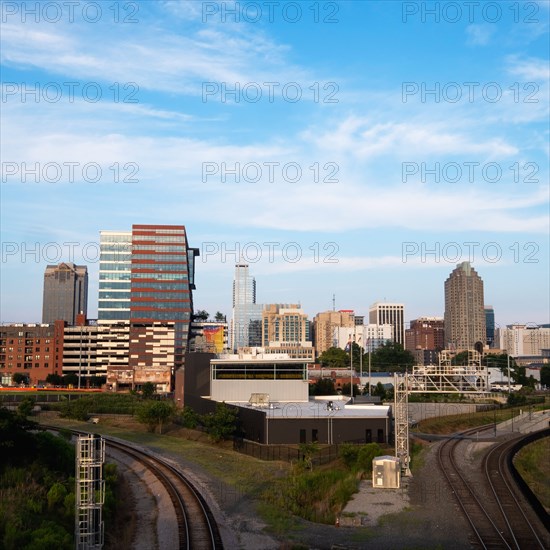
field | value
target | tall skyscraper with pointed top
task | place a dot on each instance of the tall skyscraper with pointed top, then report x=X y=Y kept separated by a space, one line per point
x=246 y=322
x=465 y=325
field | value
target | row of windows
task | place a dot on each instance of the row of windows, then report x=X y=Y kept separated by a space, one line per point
x=110 y=266
x=119 y=304
x=161 y=247
x=105 y=238
x=115 y=256
x=161 y=231
x=121 y=276
x=162 y=315
x=160 y=257
x=113 y=285
x=25 y=365
x=159 y=238
x=119 y=315
x=137 y=267
x=160 y=286
x=108 y=295
x=257 y=372
x=161 y=295
x=160 y=305
x=156 y=276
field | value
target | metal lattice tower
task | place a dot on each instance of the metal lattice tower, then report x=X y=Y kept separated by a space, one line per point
x=90 y=492
x=442 y=378
x=401 y=417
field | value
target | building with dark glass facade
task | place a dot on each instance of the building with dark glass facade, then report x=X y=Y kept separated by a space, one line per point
x=65 y=292
x=147 y=276
x=162 y=280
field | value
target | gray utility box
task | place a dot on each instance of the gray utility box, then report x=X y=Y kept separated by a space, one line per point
x=386 y=472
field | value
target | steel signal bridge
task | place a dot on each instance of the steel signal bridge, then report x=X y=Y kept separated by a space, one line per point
x=442 y=378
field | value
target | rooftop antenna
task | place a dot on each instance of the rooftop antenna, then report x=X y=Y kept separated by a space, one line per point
x=334 y=302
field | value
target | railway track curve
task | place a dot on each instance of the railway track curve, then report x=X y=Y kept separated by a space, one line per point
x=495 y=511
x=196 y=525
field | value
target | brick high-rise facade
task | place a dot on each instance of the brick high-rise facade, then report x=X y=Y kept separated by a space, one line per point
x=465 y=326
x=425 y=333
x=32 y=350
x=325 y=325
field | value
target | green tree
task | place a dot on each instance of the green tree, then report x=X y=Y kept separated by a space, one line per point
x=26 y=406
x=334 y=358
x=221 y=423
x=97 y=381
x=391 y=356
x=307 y=452
x=220 y=317
x=155 y=414
x=346 y=387
x=201 y=315
x=379 y=390
x=188 y=418
x=545 y=376
x=323 y=386
x=461 y=358
x=79 y=409
x=148 y=390
x=20 y=378
x=54 y=379
x=70 y=379
x=56 y=495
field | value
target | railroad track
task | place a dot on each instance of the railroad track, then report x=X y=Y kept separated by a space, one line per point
x=197 y=527
x=498 y=522
x=521 y=531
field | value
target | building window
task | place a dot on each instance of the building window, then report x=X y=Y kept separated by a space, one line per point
x=368 y=436
x=303 y=438
x=314 y=435
x=380 y=435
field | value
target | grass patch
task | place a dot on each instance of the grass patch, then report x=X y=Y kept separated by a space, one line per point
x=534 y=467
x=317 y=496
x=418 y=453
x=459 y=422
x=279 y=522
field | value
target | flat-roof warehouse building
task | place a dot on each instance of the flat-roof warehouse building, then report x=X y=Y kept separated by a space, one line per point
x=271 y=394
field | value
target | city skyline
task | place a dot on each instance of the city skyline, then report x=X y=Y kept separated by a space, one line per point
x=335 y=152
x=119 y=244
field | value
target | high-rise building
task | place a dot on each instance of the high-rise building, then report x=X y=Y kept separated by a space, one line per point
x=425 y=333
x=115 y=263
x=520 y=340
x=147 y=276
x=246 y=323
x=369 y=337
x=65 y=292
x=385 y=313
x=490 y=325
x=325 y=328
x=464 y=309
x=283 y=323
x=162 y=280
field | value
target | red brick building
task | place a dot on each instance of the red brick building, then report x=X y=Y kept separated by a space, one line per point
x=34 y=350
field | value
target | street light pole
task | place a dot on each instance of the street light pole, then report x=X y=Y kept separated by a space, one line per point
x=351 y=367
x=508 y=357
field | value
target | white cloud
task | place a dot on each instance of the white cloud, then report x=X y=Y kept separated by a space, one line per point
x=365 y=138
x=479 y=35
x=530 y=68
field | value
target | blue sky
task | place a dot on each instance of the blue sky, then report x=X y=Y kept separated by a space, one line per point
x=396 y=181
